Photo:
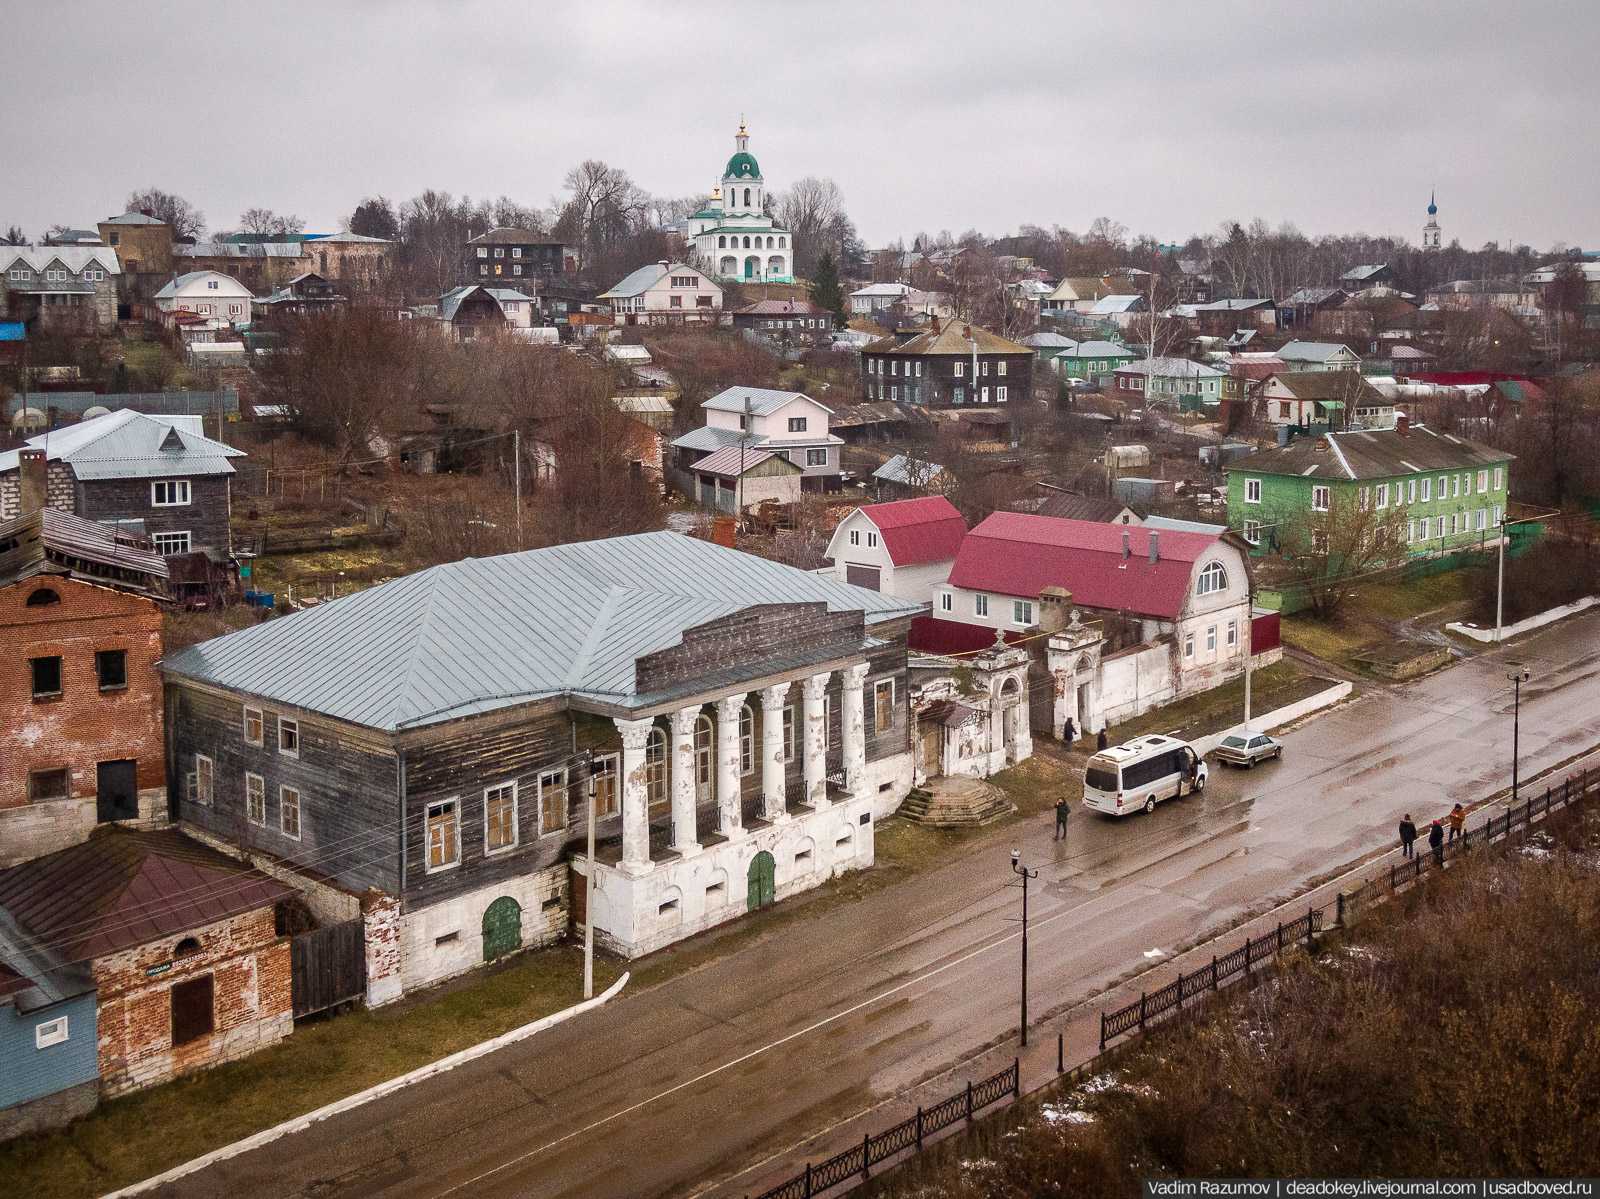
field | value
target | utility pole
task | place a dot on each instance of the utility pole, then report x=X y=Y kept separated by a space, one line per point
x=1249 y=644
x=1025 y=874
x=1500 y=584
x=516 y=478
x=588 y=897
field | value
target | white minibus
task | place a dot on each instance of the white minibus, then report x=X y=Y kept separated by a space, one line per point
x=1139 y=774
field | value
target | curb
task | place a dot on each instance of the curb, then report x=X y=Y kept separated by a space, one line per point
x=300 y=1123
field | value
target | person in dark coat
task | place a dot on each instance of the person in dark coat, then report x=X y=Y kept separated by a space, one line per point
x=1436 y=842
x=1100 y=740
x=1408 y=836
x=1062 y=809
x=1069 y=731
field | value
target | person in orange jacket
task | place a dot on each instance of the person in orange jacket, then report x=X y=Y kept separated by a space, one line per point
x=1458 y=822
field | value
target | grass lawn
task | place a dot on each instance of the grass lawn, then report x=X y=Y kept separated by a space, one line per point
x=1371 y=612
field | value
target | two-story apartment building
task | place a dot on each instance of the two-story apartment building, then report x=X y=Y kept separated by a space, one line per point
x=505 y=255
x=904 y=548
x=735 y=726
x=1451 y=492
x=786 y=424
x=1170 y=380
x=665 y=293
x=69 y=289
x=949 y=365
x=80 y=699
x=150 y=473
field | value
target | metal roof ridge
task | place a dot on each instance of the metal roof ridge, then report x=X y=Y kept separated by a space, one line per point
x=403 y=693
x=596 y=633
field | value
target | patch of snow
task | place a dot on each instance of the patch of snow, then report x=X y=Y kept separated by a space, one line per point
x=1057 y=1114
x=1100 y=1082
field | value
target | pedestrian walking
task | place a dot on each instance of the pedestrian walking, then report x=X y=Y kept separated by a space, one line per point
x=1408 y=836
x=1062 y=809
x=1069 y=731
x=1458 y=823
x=1100 y=740
x=1436 y=842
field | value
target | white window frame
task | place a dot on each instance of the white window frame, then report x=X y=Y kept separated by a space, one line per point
x=947 y=601
x=747 y=741
x=1481 y=522
x=957 y=373
x=255 y=788
x=560 y=787
x=490 y=851
x=1383 y=495
x=872 y=540
x=1252 y=532
x=177 y=491
x=1427 y=489
x=855 y=536
x=299 y=811
x=1499 y=477
x=51 y=1032
x=1411 y=492
x=1213 y=577
x=815 y=457
x=1483 y=481
x=294 y=726
x=438 y=809
x=1188 y=647
x=1211 y=639
x=789 y=723
x=1252 y=491
x=1233 y=633
x=261 y=726
x=205 y=779
x=999 y=395
x=980 y=604
x=1001 y=367
x=167 y=543
x=1022 y=612
x=1321 y=492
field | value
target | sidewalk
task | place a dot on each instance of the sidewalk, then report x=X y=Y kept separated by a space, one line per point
x=1076 y=1022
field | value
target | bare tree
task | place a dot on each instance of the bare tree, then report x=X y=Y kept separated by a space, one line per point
x=185 y=219
x=265 y=221
x=434 y=229
x=813 y=211
x=14 y=237
x=1321 y=552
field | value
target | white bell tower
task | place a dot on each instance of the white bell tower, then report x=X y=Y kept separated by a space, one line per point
x=1431 y=231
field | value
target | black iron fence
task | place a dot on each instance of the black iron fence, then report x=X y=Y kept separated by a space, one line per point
x=1223 y=970
x=858 y=1160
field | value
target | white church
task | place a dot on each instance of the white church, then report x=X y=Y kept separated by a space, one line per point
x=733 y=237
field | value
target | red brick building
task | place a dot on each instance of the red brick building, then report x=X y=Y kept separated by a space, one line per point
x=181 y=941
x=80 y=698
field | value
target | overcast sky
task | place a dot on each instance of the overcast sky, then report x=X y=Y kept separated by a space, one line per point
x=1168 y=117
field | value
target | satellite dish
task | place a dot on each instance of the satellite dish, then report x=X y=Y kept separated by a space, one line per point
x=97 y=410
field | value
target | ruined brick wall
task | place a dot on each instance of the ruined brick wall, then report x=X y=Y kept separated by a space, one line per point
x=380 y=915
x=83 y=725
x=252 y=1005
x=60 y=490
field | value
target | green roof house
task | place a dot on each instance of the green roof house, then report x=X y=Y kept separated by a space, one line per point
x=1091 y=359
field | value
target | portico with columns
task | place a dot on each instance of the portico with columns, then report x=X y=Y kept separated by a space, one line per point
x=738 y=799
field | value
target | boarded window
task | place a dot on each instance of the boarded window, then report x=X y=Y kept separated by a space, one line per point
x=500 y=818
x=255 y=799
x=883 y=704
x=552 y=801
x=203 y=779
x=605 y=786
x=444 y=835
x=47 y=784
x=289 y=812
x=252 y=726
x=193 y=1009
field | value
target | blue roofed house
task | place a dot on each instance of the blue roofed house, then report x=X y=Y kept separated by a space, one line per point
x=738 y=726
x=49 y=1064
x=786 y=424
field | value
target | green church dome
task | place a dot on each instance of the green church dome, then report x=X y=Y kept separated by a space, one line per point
x=742 y=165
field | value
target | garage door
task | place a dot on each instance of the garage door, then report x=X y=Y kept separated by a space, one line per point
x=861 y=576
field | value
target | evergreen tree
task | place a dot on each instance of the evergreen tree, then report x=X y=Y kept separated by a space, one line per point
x=825 y=289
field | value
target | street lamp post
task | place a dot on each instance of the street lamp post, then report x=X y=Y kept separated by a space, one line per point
x=1025 y=874
x=1517 y=676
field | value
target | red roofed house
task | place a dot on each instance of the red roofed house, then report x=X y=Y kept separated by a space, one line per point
x=181 y=942
x=1172 y=608
x=904 y=549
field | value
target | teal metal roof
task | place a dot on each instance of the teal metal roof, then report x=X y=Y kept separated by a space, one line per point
x=488 y=633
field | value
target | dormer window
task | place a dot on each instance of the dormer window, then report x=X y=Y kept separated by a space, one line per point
x=212 y=284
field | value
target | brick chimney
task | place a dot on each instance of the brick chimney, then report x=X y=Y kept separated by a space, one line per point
x=1402 y=424
x=1127 y=545
x=1155 y=550
x=32 y=477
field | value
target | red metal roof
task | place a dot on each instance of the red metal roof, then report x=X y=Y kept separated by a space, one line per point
x=122 y=888
x=916 y=531
x=930 y=635
x=1015 y=553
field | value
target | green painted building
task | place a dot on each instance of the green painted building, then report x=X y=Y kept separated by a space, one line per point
x=1091 y=359
x=1431 y=492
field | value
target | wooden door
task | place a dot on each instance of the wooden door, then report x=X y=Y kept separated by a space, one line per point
x=502 y=928
x=761 y=886
x=933 y=750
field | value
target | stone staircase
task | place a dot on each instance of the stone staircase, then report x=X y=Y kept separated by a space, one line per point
x=955 y=803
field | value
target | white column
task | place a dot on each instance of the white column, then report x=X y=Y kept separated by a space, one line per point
x=816 y=740
x=773 y=785
x=685 y=839
x=1021 y=731
x=635 y=795
x=729 y=818
x=853 y=728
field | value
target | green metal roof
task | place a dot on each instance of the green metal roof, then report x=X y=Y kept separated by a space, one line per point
x=743 y=165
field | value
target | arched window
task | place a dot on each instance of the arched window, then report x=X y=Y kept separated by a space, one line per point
x=722 y=242
x=747 y=197
x=1212 y=578
x=747 y=243
x=186 y=946
x=783 y=243
x=747 y=739
x=655 y=768
x=42 y=597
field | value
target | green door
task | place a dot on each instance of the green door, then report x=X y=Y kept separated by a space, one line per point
x=761 y=887
x=502 y=928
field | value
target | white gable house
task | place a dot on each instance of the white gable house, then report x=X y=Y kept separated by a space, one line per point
x=207 y=293
x=665 y=293
x=788 y=424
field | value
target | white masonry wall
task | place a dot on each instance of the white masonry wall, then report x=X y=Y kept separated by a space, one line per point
x=427 y=957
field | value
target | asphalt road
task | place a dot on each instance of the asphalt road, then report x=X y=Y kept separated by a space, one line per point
x=677 y=1090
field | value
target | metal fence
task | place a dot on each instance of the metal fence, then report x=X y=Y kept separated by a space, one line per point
x=1152 y=1005
x=858 y=1160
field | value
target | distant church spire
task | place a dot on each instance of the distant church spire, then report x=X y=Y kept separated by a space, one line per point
x=1431 y=231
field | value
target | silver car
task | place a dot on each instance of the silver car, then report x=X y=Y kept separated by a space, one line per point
x=1248 y=748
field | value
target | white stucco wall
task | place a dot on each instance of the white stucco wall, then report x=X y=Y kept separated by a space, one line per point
x=424 y=960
